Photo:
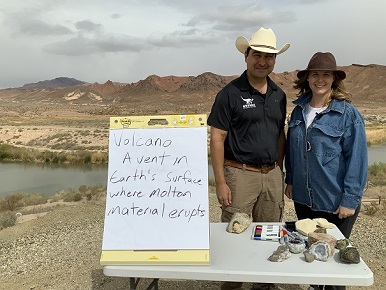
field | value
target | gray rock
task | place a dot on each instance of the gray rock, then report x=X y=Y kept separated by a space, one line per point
x=341 y=244
x=349 y=255
x=308 y=256
x=296 y=246
x=281 y=254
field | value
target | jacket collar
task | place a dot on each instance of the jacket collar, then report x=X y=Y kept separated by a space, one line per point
x=335 y=105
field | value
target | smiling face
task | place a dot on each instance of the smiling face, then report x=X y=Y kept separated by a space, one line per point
x=259 y=64
x=320 y=82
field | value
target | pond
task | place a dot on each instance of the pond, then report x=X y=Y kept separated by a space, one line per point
x=48 y=178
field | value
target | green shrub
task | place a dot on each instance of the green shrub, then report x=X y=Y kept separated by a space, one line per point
x=34 y=199
x=7 y=219
x=11 y=202
x=72 y=196
x=371 y=209
x=82 y=189
x=377 y=174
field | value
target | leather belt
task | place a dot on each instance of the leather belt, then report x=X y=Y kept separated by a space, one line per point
x=263 y=169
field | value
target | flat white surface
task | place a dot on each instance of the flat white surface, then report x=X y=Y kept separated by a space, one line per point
x=236 y=257
x=157 y=188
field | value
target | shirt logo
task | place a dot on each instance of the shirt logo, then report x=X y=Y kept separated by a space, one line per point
x=248 y=103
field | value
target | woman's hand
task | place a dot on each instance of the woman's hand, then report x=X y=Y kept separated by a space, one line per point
x=344 y=212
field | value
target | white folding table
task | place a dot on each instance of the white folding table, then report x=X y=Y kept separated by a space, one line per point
x=236 y=257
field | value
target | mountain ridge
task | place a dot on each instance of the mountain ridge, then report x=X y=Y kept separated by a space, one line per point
x=167 y=94
x=54 y=83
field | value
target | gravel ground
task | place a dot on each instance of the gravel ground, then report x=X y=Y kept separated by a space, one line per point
x=61 y=250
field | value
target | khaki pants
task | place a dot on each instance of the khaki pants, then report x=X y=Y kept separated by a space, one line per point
x=255 y=193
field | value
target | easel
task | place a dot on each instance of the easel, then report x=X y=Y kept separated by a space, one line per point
x=186 y=183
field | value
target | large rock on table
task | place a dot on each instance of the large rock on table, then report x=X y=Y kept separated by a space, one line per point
x=329 y=239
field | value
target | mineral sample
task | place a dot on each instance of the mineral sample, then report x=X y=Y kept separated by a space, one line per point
x=321 y=231
x=329 y=239
x=320 y=250
x=295 y=246
x=323 y=223
x=282 y=253
x=305 y=226
x=341 y=244
x=308 y=257
x=239 y=223
x=349 y=255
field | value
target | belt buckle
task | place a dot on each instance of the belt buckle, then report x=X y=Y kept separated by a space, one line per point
x=265 y=169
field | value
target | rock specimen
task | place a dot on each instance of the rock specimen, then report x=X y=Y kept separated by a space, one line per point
x=305 y=226
x=329 y=239
x=308 y=257
x=320 y=250
x=349 y=255
x=281 y=254
x=323 y=223
x=321 y=230
x=239 y=223
x=295 y=246
x=341 y=244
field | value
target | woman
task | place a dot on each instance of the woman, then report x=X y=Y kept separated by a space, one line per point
x=326 y=153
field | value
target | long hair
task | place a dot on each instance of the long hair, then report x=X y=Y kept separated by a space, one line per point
x=338 y=88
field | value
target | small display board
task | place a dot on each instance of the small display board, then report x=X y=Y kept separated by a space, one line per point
x=157 y=208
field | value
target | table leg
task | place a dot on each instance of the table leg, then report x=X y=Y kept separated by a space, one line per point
x=134 y=283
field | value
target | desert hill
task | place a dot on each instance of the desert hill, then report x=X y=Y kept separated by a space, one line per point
x=57 y=82
x=168 y=94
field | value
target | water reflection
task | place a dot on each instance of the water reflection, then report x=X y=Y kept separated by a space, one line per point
x=50 y=178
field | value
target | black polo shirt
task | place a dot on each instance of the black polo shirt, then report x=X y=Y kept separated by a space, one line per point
x=253 y=121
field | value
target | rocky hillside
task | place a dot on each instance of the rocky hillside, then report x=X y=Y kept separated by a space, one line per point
x=168 y=94
x=53 y=84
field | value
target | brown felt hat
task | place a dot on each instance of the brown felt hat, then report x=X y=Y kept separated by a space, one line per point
x=322 y=61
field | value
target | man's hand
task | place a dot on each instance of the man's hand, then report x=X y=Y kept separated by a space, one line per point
x=288 y=191
x=224 y=195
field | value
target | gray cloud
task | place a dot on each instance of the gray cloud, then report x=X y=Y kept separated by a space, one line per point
x=234 y=18
x=183 y=38
x=35 y=27
x=88 y=26
x=116 y=16
x=311 y=1
x=104 y=44
x=109 y=36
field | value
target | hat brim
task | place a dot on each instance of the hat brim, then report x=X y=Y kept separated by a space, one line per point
x=242 y=45
x=341 y=74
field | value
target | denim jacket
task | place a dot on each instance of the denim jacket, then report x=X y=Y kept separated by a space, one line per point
x=326 y=164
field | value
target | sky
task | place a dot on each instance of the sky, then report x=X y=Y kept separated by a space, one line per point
x=128 y=40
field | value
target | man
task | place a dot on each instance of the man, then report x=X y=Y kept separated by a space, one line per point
x=247 y=138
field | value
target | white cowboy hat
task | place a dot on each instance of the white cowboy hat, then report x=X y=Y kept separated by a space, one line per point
x=263 y=40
